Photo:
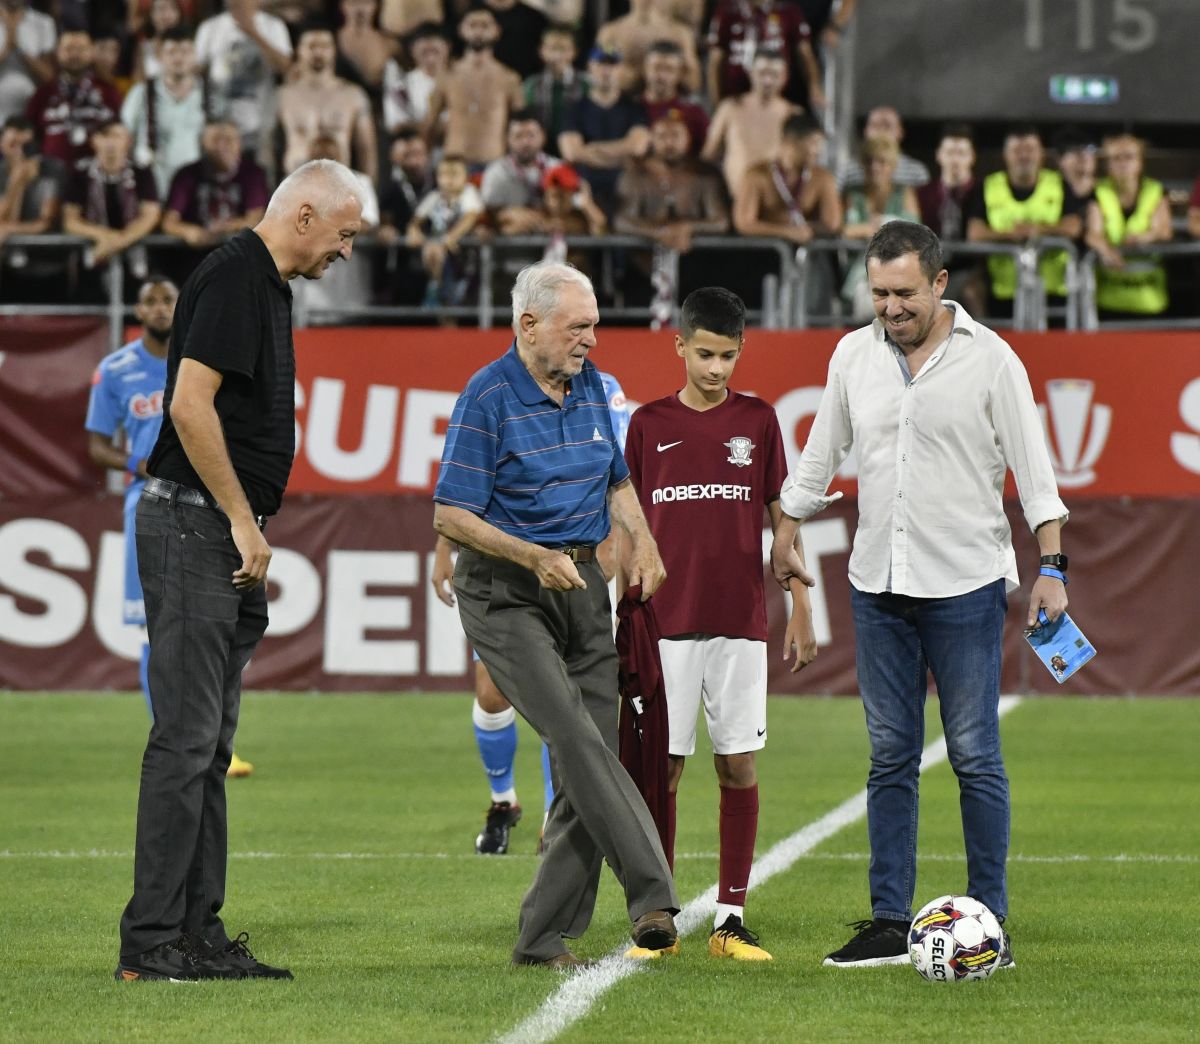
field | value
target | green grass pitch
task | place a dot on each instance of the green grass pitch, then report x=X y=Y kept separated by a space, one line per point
x=352 y=864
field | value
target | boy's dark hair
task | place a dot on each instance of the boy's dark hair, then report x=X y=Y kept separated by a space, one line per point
x=426 y=31
x=897 y=238
x=1023 y=130
x=665 y=47
x=453 y=157
x=178 y=33
x=18 y=123
x=525 y=116
x=560 y=30
x=801 y=126
x=715 y=309
x=957 y=130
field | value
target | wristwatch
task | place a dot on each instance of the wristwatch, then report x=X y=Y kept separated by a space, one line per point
x=1058 y=562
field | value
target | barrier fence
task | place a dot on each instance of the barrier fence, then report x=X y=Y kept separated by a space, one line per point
x=351 y=603
x=787 y=292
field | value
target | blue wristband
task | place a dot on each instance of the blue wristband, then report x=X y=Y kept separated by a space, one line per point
x=131 y=465
x=1056 y=573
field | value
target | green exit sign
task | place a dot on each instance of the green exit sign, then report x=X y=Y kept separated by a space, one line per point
x=1084 y=90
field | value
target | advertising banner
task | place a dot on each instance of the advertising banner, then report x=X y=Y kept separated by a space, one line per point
x=352 y=605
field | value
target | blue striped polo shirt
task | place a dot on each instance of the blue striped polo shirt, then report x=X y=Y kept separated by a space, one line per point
x=531 y=468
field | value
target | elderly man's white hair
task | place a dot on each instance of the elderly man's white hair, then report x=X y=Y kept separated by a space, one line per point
x=537 y=286
x=325 y=183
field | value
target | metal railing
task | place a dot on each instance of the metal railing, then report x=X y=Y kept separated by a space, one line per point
x=785 y=303
x=1030 y=308
x=1089 y=310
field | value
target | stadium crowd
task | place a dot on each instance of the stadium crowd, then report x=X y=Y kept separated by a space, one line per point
x=466 y=120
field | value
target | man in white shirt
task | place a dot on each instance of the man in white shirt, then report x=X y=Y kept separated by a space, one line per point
x=166 y=113
x=27 y=41
x=939 y=408
x=244 y=50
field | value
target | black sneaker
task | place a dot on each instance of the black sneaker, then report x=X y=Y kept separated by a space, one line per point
x=172 y=961
x=236 y=960
x=1006 y=957
x=501 y=818
x=878 y=942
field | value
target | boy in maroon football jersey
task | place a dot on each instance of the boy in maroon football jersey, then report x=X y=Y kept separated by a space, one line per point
x=706 y=461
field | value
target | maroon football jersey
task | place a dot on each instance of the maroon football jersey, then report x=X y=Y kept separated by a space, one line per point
x=703 y=479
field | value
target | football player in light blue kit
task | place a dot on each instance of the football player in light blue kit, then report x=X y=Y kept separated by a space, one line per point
x=127 y=397
x=494 y=719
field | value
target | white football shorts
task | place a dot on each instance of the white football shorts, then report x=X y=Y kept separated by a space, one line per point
x=730 y=676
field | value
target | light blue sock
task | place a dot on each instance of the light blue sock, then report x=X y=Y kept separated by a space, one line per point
x=547 y=777
x=496 y=735
x=144 y=675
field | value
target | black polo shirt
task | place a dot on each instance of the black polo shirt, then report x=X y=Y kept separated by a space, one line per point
x=234 y=315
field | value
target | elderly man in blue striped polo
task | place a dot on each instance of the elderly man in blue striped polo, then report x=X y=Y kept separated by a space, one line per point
x=530 y=472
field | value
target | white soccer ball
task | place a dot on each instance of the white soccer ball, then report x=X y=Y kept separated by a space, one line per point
x=955 y=938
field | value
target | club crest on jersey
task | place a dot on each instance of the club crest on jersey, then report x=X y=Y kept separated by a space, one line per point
x=739 y=451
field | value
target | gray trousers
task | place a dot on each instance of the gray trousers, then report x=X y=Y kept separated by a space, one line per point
x=202 y=633
x=552 y=655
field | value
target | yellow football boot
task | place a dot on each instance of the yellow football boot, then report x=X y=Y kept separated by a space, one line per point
x=734 y=939
x=238 y=768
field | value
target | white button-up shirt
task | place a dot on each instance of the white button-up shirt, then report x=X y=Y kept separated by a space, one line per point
x=932 y=455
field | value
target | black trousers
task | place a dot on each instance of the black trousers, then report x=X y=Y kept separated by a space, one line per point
x=202 y=633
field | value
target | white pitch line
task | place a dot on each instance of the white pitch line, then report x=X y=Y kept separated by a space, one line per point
x=472 y=857
x=575 y=997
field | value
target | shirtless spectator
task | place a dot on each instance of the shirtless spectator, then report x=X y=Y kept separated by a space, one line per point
x=319 y=102
x=604 y=129
x=746 y=130
x=112 y=202
x=689 y=13
x=27 y=39
x=477 y=95
x=512 y=185
x=883 y=121
x=167 y=113
x=399 y=18
x=365 y=49
x=67 y=110
x=791 y=197
x=669 y=196
x=406 y=94
x=739 y=30
x=633 y=35
x=663 y=75
x=558 y=86
x=243 y=50
x=220 y=194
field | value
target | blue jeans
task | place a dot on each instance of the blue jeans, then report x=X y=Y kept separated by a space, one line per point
x=959 y=639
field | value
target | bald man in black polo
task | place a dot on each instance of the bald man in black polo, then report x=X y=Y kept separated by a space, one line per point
x=218 y=471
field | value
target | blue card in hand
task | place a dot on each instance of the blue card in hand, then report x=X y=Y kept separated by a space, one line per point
x=1061 y=645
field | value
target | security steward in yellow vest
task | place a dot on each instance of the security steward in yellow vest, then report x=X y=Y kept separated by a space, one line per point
x=1020 y=203
x=1130 y=210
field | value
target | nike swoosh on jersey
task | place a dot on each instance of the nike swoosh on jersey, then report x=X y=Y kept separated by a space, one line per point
x=661 y=447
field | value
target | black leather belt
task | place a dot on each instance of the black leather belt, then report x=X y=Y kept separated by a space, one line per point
x=578 y=553
x=165 y=489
